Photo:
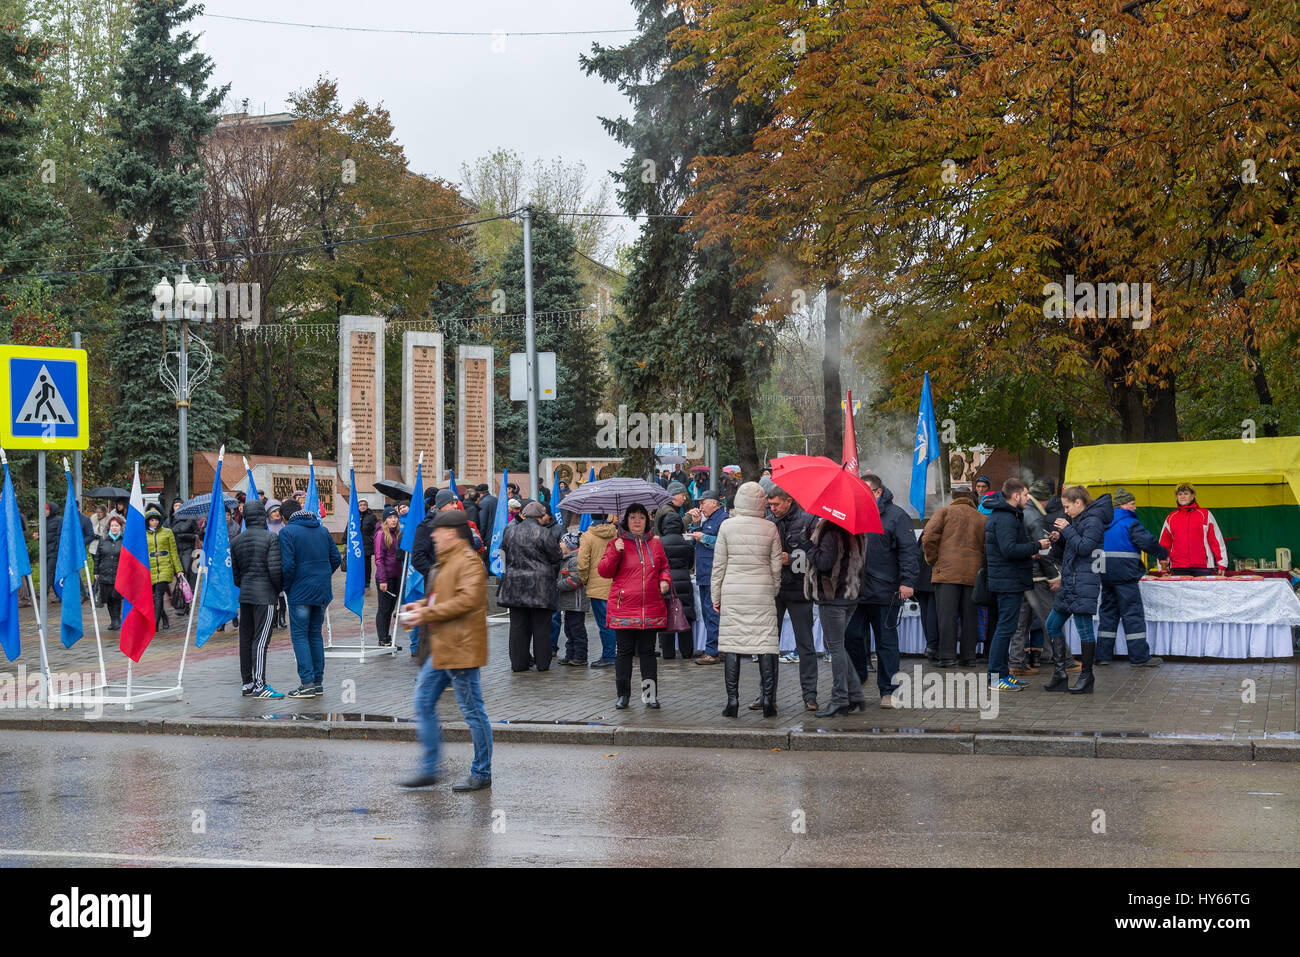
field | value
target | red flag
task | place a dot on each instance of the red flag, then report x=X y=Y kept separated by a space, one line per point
x=133 y=581
x=850 y=456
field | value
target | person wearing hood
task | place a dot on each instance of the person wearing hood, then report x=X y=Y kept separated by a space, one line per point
x=681 y=558
x=639 y=577
x=591 y=548
x=185 y=531
x=164 y=562
x=389 y=559
x=276 y=512
x=1122 y=568
x=1192 y=537
x=531 y=558
x=308 y=557
x=794 y=527
x=106 y=559
x=744 y=582
x=255 y=561
x=706 y=519
x=1080 y=589
x=1009 y=558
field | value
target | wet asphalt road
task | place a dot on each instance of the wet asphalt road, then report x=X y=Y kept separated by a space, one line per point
x=112 y=799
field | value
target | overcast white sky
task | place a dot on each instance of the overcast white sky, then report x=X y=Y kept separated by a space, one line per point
x=452 y=98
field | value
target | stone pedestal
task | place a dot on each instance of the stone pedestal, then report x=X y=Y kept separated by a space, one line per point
x=474 y=427
x=422 y=417
x=361 y=398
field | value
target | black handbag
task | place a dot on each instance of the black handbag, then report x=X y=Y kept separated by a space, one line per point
x=981 y=594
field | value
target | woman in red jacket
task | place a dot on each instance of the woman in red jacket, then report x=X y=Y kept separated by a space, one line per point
x=1191 y=534
x=636 y=564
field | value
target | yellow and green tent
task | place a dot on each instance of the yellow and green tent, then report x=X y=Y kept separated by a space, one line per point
x=1252 y=487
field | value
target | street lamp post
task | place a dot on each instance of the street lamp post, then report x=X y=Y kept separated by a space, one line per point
x=180 y=304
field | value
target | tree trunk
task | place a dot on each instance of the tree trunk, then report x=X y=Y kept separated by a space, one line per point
x=1162 y=420
x=1259 y=380
x=832 y=417
x=1064 y=442
x=742 y=422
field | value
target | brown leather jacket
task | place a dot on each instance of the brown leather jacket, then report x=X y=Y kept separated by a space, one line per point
x=455 y=627
x=953 y=543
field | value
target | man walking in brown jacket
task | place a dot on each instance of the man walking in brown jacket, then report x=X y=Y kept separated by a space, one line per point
x=953 y=544
x=453 y=638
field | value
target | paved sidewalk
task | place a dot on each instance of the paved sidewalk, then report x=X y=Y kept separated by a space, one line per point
x=1247 y=701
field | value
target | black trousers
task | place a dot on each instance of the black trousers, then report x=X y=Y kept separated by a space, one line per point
x=641 y=642
x=929 y=620
x=384 y=617
x=254 y=637
x=159 y=604
x=370 y=567
x=114 y=602
x=677 y=641
x=954 y=602
x=530 y=626
x=575 y=635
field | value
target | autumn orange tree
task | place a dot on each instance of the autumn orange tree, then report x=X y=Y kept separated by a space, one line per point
x=942 y=163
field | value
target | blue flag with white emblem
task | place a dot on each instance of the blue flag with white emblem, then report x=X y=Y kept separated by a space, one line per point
x=354 y=588
x=220 y=601
x=14 y=566
x=72 y=559
x=495 y=562
x=926 y=448
x=414 y=516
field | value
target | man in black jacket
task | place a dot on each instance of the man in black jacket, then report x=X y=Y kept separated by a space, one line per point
x=795 y=527
x=487 y=513
x=889 y=575
x=1009 y=561
x=369 y=522
x=255 y=560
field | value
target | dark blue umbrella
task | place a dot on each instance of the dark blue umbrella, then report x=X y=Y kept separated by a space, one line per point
x=612 y=496
x=197 y=507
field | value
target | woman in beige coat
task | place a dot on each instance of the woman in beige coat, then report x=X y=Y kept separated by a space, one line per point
x=746 y=575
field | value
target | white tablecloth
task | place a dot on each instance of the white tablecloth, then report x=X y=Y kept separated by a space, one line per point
x=1213 y=618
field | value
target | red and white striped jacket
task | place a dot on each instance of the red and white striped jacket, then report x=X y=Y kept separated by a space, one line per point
x=1193 y=538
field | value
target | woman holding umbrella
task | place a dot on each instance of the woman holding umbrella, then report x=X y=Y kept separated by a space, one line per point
x=638 y=567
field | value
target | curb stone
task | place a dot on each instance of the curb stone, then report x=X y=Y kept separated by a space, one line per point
x=701 y=738
x=865 y=741
x=1190 y=749
x=247 y=729
x=1060 y=746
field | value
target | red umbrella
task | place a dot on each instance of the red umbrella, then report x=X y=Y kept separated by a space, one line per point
x=827 y=490
x=699 y=468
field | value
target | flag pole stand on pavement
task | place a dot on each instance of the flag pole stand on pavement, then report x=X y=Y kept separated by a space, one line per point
x=359 y=652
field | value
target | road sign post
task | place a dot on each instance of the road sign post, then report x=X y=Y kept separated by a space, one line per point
x=44 y=399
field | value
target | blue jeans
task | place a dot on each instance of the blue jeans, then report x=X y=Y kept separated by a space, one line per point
x=464 y=682
x=305 y=623
x=710 y=618
x=1056 y=625
x=557 y=620
x=608 y=640
x=1008 y=605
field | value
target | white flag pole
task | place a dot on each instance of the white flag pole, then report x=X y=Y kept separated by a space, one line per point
x=406 y=566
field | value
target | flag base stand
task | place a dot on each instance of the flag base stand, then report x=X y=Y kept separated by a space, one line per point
x=362 y=652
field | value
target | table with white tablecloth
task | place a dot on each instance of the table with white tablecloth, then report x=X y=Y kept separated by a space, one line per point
x=1214 y=618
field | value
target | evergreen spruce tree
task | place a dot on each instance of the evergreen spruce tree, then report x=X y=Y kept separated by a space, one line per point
x=152 y=177
x=686 y=334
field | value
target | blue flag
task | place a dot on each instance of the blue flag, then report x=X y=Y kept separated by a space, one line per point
x=72 y=559
x=452 y=484
x=926 y=448
x=220 y=601
x=251 y=495
x=555 y=498
x=354 y=589
x=413 y=517
x=585 y=523
x=14 y=566
x=495 y=562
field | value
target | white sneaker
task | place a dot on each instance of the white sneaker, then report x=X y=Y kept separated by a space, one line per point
x=887 y=701
x=790 y=658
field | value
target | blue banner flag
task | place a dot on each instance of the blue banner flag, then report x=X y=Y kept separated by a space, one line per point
x=926 y=448
x=220 y=601
x=14 y=565
x=354 y=589
x=416 y=515
x=555 y=499
x=312 y=502
x=495 y=562
x=585 y=523
x=251 y=495
x=72 y=559
x=452 y=484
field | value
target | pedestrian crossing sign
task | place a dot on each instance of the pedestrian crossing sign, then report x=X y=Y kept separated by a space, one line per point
x=44 y=398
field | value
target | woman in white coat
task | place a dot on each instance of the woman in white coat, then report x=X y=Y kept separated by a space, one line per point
x=746 y=575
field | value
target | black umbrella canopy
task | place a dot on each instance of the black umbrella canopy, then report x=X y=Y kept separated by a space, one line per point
x=393 y=489
x=108 y=491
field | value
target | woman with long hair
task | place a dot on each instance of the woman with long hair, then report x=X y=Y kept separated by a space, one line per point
x=1077 y=598
x=389 y=558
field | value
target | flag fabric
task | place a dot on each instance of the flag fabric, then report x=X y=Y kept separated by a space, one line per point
x=220 y=601
x=926 y=448
x=133 y=581
x=354 y=588
x=452 y=484
x=250 y=495
x=312 y=502
x=585 y=522
x=72 y=559
x=555 y=499
x=849 y=458
x=413 y=517
x=495 y=562
x=15 y=566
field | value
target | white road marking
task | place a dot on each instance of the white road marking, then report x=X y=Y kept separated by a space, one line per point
x=156 y=859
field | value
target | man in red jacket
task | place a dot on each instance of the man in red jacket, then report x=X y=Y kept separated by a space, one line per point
x=1191 y=534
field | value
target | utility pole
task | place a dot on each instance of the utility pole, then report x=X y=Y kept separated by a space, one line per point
x=530 y=353
x=76 y=456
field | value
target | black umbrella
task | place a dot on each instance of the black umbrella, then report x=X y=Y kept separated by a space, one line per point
x=108 y=491
x=198 y=506
x=398 y=490
x=614 y=495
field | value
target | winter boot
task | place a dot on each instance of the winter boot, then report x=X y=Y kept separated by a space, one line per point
x=1089 y=655
x=767 y=682
x=731 y=677
x=1060 y=661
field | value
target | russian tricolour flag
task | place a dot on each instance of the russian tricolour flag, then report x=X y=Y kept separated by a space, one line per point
x=133 y=581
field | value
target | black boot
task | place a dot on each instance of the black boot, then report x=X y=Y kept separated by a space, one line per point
x=731 y=677
x=767 y=682
x=1088 y=651
x=1034 y=657
x=1060 y=661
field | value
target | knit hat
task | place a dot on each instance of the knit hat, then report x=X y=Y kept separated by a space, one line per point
x=676 y=488
x=445 y=497
x=985 y=479
x=481 y=488
x=1041 y=489
x=389 y=510
x=515 y=503
x=1122 y=496
x=535 y=510
x=571 y=539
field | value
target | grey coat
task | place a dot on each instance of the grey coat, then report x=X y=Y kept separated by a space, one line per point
x=532 y=565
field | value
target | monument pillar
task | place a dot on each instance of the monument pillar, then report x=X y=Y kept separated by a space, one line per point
x=422 y=416
x=474 y=427
x=361 y=397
